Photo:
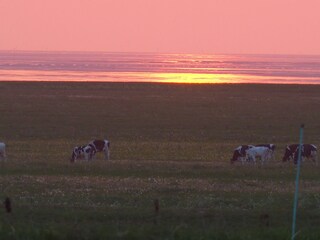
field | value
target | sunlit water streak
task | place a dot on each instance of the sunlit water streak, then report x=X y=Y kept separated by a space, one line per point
x=169 y=68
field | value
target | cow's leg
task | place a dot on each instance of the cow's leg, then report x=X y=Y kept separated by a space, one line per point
x=92 y=154
x=243 y=160
x=3 y=155
x=273 y=157
x=261 y=158
x=314 y=157
x=270 y=155
x=106 y=153
x=253 y=159
x=246 y=158
x=87 y=155
x=266 y=157
x=250 y=158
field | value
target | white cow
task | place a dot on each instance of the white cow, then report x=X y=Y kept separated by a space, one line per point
x=2 y=151
x=264 y=153
x=272 y=148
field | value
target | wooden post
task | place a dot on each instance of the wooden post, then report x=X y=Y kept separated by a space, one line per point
x=156 y=205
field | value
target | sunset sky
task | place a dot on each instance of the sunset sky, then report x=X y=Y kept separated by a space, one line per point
x=165 y=26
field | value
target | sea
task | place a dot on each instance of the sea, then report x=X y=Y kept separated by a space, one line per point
x=158 y=67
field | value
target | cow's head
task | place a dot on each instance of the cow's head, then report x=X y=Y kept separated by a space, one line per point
x=75 y=153
x=236 y=156
x=88 y=151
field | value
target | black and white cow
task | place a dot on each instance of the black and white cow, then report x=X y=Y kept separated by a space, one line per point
x=89 y=151
x=308 y=151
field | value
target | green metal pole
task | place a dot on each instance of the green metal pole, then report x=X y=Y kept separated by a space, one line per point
x=296 y=193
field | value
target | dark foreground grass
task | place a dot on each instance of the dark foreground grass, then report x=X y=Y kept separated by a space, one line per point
x=169 y=142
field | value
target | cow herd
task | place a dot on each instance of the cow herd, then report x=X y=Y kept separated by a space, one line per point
x=243 y=153
x=266 y=152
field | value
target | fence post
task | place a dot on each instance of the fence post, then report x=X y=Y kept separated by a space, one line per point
x=296 y=193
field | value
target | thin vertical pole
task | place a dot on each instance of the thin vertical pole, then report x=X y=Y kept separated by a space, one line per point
x=296 y=193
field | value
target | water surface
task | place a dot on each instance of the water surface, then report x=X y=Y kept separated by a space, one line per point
x=147 y=67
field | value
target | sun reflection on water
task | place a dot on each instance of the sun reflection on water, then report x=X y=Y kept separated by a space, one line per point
x=199 y=78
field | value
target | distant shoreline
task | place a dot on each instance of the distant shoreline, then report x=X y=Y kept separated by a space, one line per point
x=161 y=83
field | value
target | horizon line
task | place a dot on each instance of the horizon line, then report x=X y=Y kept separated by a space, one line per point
x=149 y=52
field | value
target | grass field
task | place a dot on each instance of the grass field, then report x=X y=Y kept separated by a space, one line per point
x=168 y=142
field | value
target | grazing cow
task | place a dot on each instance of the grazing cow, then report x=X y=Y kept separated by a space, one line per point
x=2 y=151
x=272 y=148
x=101 y=146
x=261 y=152
x=240 y=153
x=307 y=151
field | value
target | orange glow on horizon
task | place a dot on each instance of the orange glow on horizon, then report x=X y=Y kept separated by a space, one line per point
x=146 y=77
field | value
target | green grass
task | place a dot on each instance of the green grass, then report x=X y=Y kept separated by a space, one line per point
x=169 y=142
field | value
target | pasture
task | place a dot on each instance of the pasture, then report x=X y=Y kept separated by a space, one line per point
x=169 y=142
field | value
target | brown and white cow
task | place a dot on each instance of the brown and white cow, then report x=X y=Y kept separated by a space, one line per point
x=308 y=151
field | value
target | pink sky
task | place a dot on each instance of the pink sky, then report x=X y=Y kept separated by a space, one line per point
x=168 y=26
